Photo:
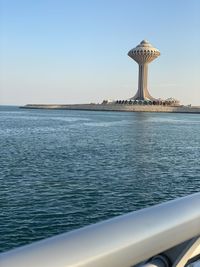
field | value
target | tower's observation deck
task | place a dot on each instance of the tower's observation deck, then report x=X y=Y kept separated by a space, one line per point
x=143 y=54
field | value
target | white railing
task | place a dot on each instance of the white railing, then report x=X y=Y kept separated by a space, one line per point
x=119 y=242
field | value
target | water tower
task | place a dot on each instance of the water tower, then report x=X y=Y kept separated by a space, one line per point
x=143 y=54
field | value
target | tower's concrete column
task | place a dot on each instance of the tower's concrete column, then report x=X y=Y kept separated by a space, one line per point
x=142 y=81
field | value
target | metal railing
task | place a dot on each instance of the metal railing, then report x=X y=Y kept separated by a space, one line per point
x=170 y=228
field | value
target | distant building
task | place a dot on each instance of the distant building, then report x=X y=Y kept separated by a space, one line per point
x=143 y=54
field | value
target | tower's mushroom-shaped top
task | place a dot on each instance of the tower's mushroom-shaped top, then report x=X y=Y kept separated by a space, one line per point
x=144 y=53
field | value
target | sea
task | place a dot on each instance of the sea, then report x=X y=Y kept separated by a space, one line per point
x=61 y=169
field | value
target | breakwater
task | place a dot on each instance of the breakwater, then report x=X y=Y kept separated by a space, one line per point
x=118 y=107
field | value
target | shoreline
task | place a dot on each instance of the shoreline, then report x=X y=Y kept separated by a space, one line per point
x=117 y=107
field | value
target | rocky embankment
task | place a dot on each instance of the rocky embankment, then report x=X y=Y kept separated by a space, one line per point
x=118 y=107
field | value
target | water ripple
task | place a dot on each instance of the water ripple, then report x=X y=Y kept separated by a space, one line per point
x=61 y=170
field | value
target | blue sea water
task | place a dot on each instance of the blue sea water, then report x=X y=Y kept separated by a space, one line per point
x=61 y=170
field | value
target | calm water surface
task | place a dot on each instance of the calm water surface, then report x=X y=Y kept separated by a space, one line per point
x=61 y=170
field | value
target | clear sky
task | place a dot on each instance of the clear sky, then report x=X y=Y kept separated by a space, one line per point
x=75 y=51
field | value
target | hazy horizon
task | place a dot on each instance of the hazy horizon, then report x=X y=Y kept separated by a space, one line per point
x=76 y=51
